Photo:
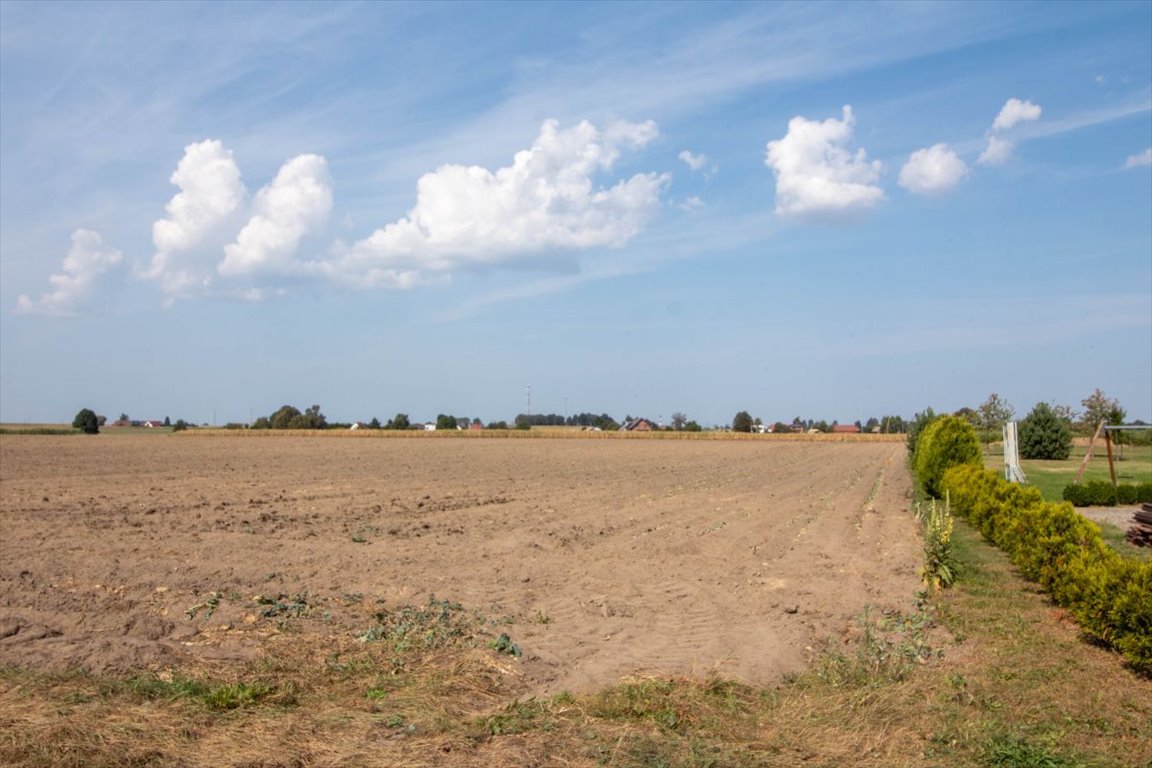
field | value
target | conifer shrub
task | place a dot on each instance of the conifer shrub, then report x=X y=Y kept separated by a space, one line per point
x=1044 y=435
x=1110 y=596
x=946 y=442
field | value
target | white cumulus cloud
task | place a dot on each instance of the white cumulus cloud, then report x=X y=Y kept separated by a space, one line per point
x=999 y=149
x=201 y=218
x=816 y=174
x=1139 y=160
x=695 y=162
x=296 y=203
x=87 y=261
x=546 y=200
x=1015 y=111
x=933 y=171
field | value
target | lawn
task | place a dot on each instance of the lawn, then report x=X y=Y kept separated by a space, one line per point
x=1133 y=465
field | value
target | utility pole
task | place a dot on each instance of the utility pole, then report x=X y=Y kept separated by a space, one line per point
x=529 y=402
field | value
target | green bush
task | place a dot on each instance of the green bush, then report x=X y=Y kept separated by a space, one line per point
x=1100 y=493
x=1109 y=596
x=1044 y=435
x=945 y=443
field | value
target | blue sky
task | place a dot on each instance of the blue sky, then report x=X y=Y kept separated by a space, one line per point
x=831 y=211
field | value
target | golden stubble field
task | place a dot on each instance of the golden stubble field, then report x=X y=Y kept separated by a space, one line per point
x=599 y=558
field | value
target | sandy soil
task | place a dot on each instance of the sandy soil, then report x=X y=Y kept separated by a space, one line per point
x=601 y=557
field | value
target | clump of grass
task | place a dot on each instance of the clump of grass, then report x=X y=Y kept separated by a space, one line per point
x=887 y=651
x=218 y=697
x=1007 y=751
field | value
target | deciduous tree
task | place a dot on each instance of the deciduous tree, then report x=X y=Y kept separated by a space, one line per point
x=85 y=421
x=1098 y=407
x=742 y=422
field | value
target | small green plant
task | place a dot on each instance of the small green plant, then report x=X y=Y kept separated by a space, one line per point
x=209 y=606
x=504 y=644
x=440 y=624
x=282 y=606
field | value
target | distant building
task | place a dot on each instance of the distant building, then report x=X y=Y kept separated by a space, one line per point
x=846 y=429
x=638 y=425
x=152 y=424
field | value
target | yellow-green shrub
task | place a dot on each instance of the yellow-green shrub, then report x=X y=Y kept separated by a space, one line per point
x=1110 y=596
x=946 y=442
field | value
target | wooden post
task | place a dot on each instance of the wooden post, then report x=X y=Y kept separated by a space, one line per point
x=1111 y=465
x=1088 y=453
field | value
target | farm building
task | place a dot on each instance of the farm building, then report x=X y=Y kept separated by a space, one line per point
x=638 y=425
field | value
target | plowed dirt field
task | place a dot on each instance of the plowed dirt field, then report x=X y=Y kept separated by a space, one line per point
x=599 y=558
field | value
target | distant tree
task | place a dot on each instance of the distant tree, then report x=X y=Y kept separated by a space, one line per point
x=893 y=425
x=1065 y=413
x=871 y=424
x=969 y=415
x=780 y=428
x=742 y=422
x=821 y=426
x=374 y=424
x=85 y=421
x=182 y=425
x=476 y=422
x=399 y=421
x=262 y=422
x=124 y=416
x=1044 y=435
x=994 y=413
x=445 y=422
x=678 y=421
x=167 y=423
x=283 y=417
x=315 y=419
x=691 y=426
x=497 y=425
x=919 y=422
x=1098 y=407
x=101 y=420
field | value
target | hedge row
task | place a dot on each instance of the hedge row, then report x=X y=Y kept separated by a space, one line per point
x=1110 y=596
x=1100 y=493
